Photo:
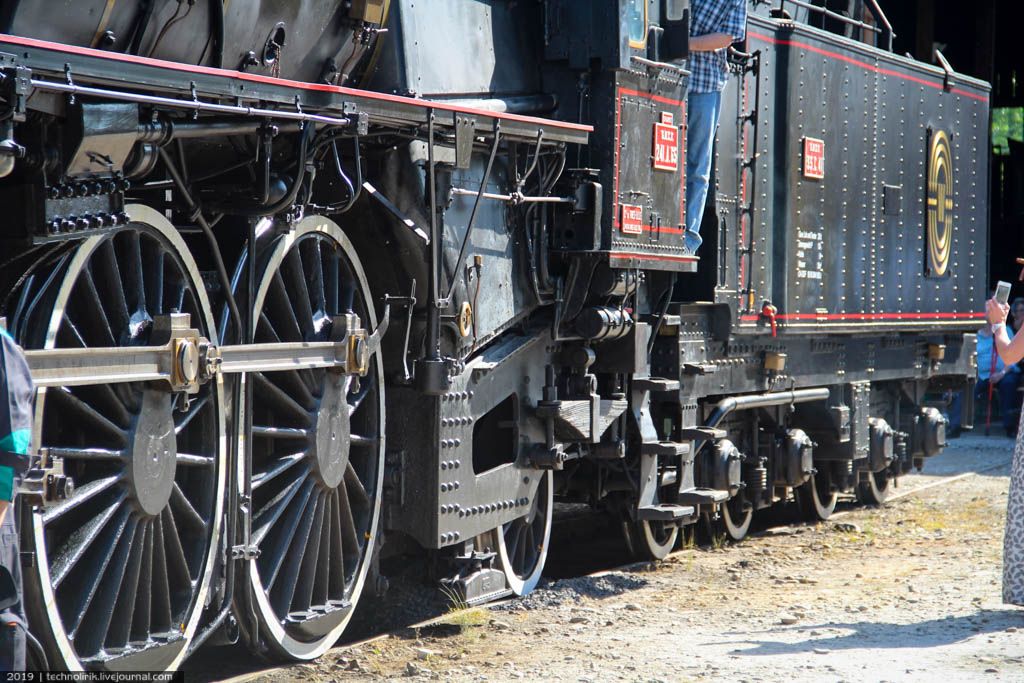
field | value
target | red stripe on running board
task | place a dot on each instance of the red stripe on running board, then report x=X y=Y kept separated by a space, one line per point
x=285 y=83
x=652 y=96
x=651 y=257
x=909 y=317
x=865 y=65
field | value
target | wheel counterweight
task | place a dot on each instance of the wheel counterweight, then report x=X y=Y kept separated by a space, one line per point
x=317 y=447
x=123 y=565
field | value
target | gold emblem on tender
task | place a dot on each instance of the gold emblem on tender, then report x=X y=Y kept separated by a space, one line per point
x=940 y=203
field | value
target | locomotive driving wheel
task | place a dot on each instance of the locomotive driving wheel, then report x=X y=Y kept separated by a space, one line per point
x=316 y=451
x=123 y=564
x=522 y=544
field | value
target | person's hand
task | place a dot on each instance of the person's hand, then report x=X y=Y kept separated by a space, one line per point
x=996 y=312
x=4 y=504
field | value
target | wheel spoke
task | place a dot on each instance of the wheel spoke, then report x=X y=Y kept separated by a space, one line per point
x=162 y=619
x=286 y=582
x=280 y=433
x=332 y=282
x=113 y=288
x=142 y=618
x=179 y=573
x=336 y=561
x=312 y=262
x=304 y=584
x=355 y=401
x=80 y=540
x=300 y=292
x=349 y=533
x=364 y=441
x=197 y=407
x=86 y=413
x=189 y=460
x=267 y=516
x=85 y=292
x=96 y=623
x=275 y=549
x=355 y=487
x=124 y=609
x=80 y=595
x=81 y=496
x=88 y=454
x=282 y=465
x=186 y=511
x=280 y=308
x=272 y=394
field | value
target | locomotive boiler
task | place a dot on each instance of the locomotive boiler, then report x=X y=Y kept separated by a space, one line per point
x=305 y=283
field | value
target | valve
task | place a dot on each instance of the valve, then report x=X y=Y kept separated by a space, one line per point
x=771 y=312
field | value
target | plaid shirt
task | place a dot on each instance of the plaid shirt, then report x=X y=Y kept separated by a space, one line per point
x=709 y=71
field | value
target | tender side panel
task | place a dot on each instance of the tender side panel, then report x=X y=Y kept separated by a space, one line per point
x=860 y=144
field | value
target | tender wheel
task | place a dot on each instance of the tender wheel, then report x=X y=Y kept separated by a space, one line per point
x=317 y=448
x=123 y=566
x=735 y=518
x=522 y=544
x=650 y=540
x=874 y=491
x=816 y=498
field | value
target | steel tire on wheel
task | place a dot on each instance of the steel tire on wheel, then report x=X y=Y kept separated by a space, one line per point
x=735 y=520
x=816 y=499
x=123 y=566
x=874 y=491
x=317 y=448
x=522 y=544
x=650 y=540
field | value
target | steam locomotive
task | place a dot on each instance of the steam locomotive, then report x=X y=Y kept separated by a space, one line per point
x=303 y=282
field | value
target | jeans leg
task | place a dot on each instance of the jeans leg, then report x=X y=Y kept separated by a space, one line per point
x=702 y=123
x=1008 y=411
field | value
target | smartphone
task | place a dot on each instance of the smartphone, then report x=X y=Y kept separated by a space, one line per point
x=1003 y=292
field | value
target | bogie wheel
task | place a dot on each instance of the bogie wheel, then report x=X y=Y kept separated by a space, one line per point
x=650 y=540
x=123 y=565
x=317 y=448
x=874 y=491
x=522 y=544
x=816 y=498
x=735 y=517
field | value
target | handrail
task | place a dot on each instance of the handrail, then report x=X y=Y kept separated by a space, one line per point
x=876 y=11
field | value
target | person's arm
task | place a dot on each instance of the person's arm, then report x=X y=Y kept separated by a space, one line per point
x=1010 y=350
x=710 y=42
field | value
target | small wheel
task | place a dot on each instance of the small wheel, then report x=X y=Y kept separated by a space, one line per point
x=816 y=498
x=736 y=520
x=650 y=540
x=522 y=544
x=874 y=491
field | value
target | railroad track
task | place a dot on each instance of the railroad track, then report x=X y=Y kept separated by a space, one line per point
x=256 y=675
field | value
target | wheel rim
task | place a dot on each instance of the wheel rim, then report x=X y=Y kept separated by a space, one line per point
x=124 y=565
x=317 y=448
x=875 y=490
x=523 y=543
x=817 y=500
x=659 y=538
x=736 y=520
